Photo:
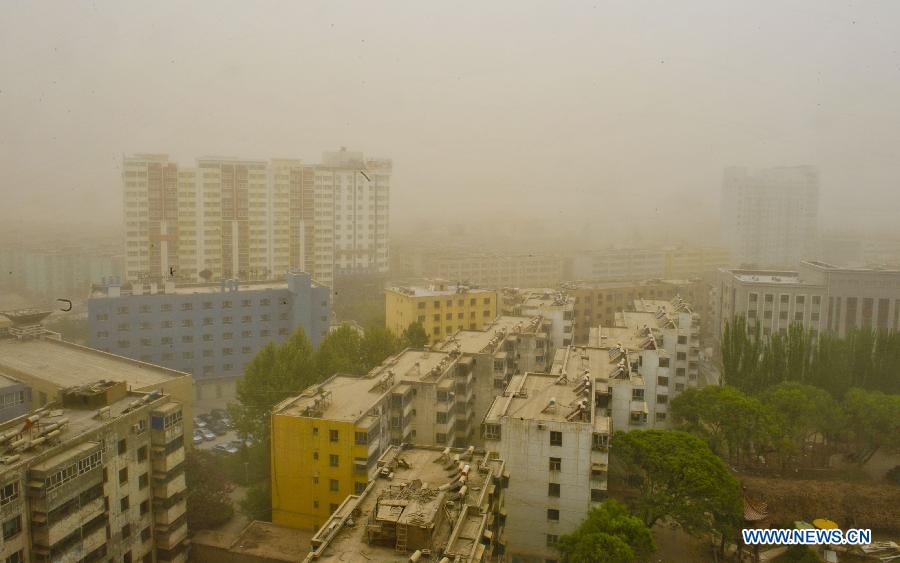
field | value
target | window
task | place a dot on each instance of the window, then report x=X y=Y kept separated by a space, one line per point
x=332 y=435
x=12 y=527
x=126 y=558
x=637 y=394
x=123 y=504
x=679 y=372
x=555 y=438
x=664 y=362
x=123 y=476
x=332 y=507
x=754 y=297
x=487 y=300
x=663 y=381
x=123 y=446
x=553 y=490
x=145 y=507
x=333 y=485
x=126 y=531
x=441 y=417
x=143 y=481
x=785 y=298
x=682 y=339
x=142 y=453
x=145 y=534
x=421 y=304
x=17 y=557
x=770 y=298
x=553 y=514
x=555 y=464
x=359 y=487
x=9 y=493
x=440 y=438
x=361 y=438
x=598 y=495
x=680 y=356
x=333 y=460
x=662 y=399
x=551 y=540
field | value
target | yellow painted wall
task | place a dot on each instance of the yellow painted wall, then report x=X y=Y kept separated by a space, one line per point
x=402 y=310
x=295 y=490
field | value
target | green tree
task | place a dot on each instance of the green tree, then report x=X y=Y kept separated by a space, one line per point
x=274 y=374
x=733 y=424
x=208 y=503
x=257 y=505
x=873 y=420
x=741 y=351
x=679 y=478
x=802 y=412
x=609 y=534
x=414 y=336
x=377 y=344
x=340 y=352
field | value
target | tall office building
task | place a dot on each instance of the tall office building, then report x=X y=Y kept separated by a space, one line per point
x=249 y=219
x=770 y=216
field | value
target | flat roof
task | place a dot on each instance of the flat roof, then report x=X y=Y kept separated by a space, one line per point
x=65 y=364
x=421 y=291
x=624 y=284
x=75 y=423
x=351 y=397
x=102 y=291
x=414 y=365
x=475 y=341
x=546 y=397
x=412 y=495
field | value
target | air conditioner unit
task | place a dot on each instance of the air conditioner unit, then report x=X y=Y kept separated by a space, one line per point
x=541 y=426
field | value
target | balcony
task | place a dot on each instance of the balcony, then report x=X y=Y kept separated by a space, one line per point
x=178 y=554
x=93 y=540
x=163 y=463
x=168 y=537
x=163 y=437
x=167 y=489
x=62 y=527
x=166 y=514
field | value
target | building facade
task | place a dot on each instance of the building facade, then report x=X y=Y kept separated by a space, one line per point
x=15 y=397
x=819 y=296
x=441 y=308
x=557 y=442
x=99 y=476
x=211 y=331
x=770 y=216
x=596 y=303
x=485 y=269
x=229 y=218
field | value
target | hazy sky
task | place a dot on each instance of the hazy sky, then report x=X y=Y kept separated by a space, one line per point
x=575 y=110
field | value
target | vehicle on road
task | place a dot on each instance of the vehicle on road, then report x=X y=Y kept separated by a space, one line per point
x=198 y=438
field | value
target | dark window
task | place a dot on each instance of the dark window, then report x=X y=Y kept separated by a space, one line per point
x=551 y=540
x=333 y=460
x=555 y=438
x=12 y=527
x=553 y=489
x=123 y=504
x=123 y=446
x=333 y=484
x=143 y=481
x=123 y=475
x=555 y=464
x=126 y=531
x=145 y=507
x=145 y=534
x=332 y=435
x=552 y=514
x=142 y=453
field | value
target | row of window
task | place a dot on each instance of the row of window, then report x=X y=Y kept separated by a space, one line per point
x=460 y=302
x=189 y=338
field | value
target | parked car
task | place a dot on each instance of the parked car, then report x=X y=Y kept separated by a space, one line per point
x=199 y=423
x=226 y=448
x=218 y=428
x=198 y=438
x=236 y=444
x=208 y=435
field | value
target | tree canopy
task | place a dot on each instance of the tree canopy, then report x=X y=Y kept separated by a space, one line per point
x=679 y=478
x=609 y=534
x=414 y=336
x=208 y=503
x=873 y=420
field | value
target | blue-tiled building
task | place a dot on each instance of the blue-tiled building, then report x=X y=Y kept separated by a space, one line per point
x=209 y=330
x=15 y=397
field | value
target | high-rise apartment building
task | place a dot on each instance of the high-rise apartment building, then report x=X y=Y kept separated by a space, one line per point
x=229 y=218
x=770 y=216
x=819 y=296
x=441 y=308
x=211 y=330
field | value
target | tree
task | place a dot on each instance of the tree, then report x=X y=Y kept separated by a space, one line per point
x=274 y=374
x=609 y=534
x=802 y=412
x=377 y=344
x=679 y=478
x=208 y=503
x=414 y=336
x=873 y=419
x=257 y=505
x=340 y=352
x=732 y=423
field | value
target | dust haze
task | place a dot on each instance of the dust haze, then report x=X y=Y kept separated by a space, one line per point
x=615 y=118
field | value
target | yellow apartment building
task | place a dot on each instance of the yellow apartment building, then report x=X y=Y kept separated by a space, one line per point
x=442 y=308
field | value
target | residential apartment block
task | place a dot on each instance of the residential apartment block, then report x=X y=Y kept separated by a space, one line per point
x=556 y=440
x=554 y=305
x=819 y=296
x=212 y=330
x=440 y=307
x=770 y=216
x=596 y=303
x=56 y=272
x=425 y=504
x=97 y=476
x=326 y=441
x=15 y=397
x=251 y=219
